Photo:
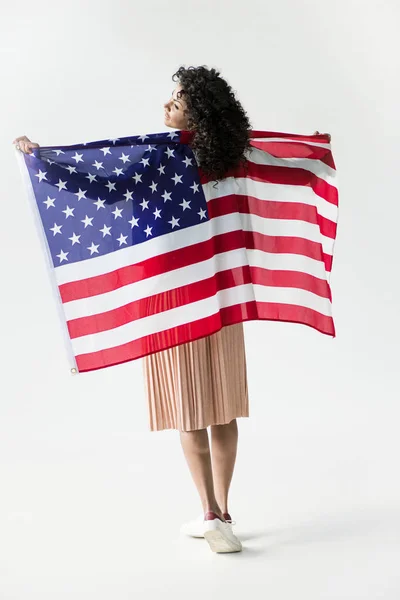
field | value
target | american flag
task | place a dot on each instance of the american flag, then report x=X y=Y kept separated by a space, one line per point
x=147 y=252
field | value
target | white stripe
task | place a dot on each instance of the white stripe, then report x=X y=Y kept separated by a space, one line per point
x=292 y=140
x=183 y=238
x=198 y=310
x=101 y=303
x=315 y=166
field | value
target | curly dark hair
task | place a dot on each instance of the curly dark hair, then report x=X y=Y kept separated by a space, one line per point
x=219 y=122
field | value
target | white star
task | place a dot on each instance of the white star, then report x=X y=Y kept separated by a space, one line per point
x=41 y=175
x=77 y=157
x=153 y=187
x=169 y=152
x=117 y=212
x=195 y=187
x=99 y=203
x=106 y=230
x=122 y=239
x=148 y=231
x=145 y=161
x=161 y=169
x=137 y=178
x=166 y=195
x=62 y=256
x=71 y=169
x=174 y=222
x=105 y=150
x=187 y=161
x=87 y=221
x=91 y=177
x=97 y=164
x=49 y=202
x=118 y=171
x=202 y=213
x=69 y=212
x=58 y=152
x=150 y=148
x=157 y=213
x=62 y=185
x=75 y=239
x=142 y=137
x=93 y=248
x=125 y=158
x=56 y=229
x=113 y=140
x=111 y=186
x=128 y=195
x=172 y=133
x=134 y=222
x=177 y=178
x=81 y=194
x=185 y=204
x=144 y=204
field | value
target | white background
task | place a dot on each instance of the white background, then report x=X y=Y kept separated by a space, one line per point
x=91 y=500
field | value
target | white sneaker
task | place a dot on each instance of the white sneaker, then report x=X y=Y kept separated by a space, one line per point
x=219 y=535
x=195 y=528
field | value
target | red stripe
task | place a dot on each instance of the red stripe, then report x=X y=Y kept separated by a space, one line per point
x=176 y=259
x=270 y=209
x=195 y=292
x=185 y=333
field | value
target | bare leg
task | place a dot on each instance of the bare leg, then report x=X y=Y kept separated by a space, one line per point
x=196 y=448
x=224 y=440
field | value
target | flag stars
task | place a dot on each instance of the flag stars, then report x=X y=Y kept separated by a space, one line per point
x=157 y=213
x=174 y=222
x=187 y=161
x=75 y=239
x=87 y=221
x=144 y=204
x=147 y=231
x=62 y=256
x=153 y=187
x=93 y=248
x=71 y=169
x=110 y=186
x=62 y=185
x=106 y=230
x=99 y=203
x=166 y=195
x=185 y=204
x=49 y=202
x=118 y=171
x=169 y=152
x=98 y=165
x=137 y=178
x=56 y=229
x=128 y=195
x=125 y=158
x=117 y=212
x=177 y=178
x=69 y=212
x=81 y=194
x=91 y=177
x=194 y=187
x=78 y=157
x=41 y=175
x=134 y=222
x=202 y=213
x=122 y=240
x=105 y=151
x=145 y=162
x=161 y=169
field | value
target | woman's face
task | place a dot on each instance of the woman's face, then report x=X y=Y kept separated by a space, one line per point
x=174 y=110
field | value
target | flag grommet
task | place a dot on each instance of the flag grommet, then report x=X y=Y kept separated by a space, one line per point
x=73 y=371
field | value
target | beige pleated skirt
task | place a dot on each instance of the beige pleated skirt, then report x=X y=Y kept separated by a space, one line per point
x=197 y=384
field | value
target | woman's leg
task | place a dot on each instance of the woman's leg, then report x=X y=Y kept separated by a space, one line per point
x=224 y=441
x=196 y=448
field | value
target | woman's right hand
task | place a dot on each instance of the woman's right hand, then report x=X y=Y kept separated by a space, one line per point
x=25 y=144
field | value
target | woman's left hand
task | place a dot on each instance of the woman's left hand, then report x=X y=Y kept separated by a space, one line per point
x=328 y=134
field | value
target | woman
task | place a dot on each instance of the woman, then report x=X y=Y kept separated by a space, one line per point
x=203 y=383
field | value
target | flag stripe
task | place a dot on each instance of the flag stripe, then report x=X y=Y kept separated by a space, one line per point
x=198 y=290
x=207 y=326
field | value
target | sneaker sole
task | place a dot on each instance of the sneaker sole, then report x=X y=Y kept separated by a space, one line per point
x=219 y=543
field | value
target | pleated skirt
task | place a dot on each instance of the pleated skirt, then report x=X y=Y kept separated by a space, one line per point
x=197 y=384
